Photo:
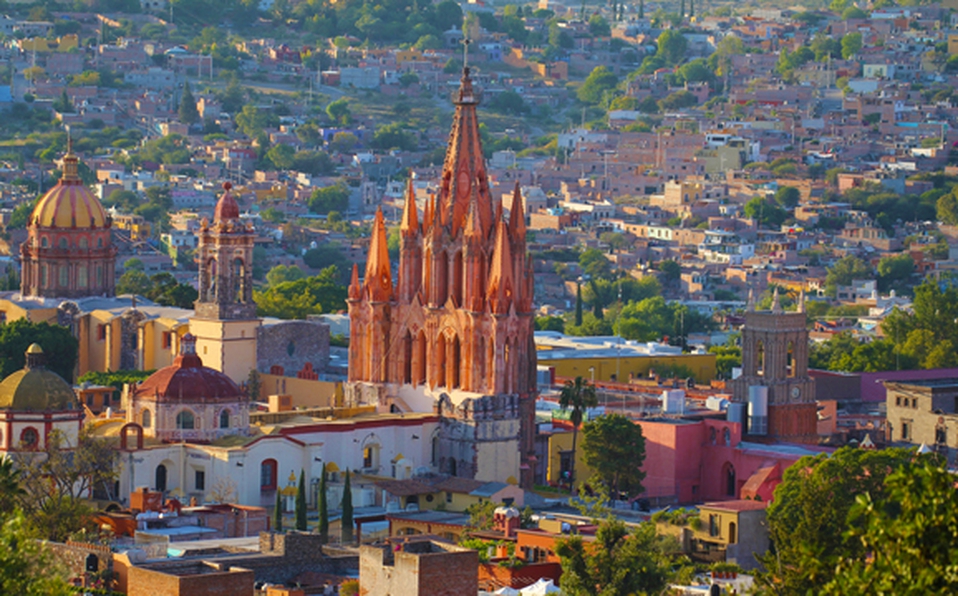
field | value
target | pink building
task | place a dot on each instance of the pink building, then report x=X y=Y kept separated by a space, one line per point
x=691 y=461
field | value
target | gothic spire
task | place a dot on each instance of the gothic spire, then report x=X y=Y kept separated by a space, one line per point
x=750 y=305
x=473 y=228
x=517 y=216
x=410 y=216
x=355 y=290
x=464 y=170
x=501 y=286
x=776 y=305
x=378 y=277
x=801 y=300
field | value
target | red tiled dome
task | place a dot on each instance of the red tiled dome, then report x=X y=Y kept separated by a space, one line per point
x=226 y=207
x=187 y=380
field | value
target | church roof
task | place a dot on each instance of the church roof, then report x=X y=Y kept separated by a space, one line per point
x=187 y=380
x=69 y=204
x=226 y=207
x=36 y=389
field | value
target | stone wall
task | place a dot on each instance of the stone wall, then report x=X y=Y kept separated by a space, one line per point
x=291 y=344
x=73 y=556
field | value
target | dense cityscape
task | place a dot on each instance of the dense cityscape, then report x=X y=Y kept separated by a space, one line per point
x=433 y=298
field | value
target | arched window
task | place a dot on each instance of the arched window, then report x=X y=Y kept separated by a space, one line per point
x=82 y=279
x=371 y=457
x=83 y=243
x=239 y=281
x=185 y=420
x=760 y=358
x=267 y=474
x=209 y=276
x=146 y=418
x=99 y=242
x=712 y=434
x=160 y=480
x=435 y=451
x=456 y=363
x=790 y=360
x=457 y=278
x=29 y=438
x=452 y=467
x=727 y=436
x=44 y=243
x=407 y=358
x=421 y=364
x=99 y=275
x=225 y=419
x=441 y=360
x=63 y=243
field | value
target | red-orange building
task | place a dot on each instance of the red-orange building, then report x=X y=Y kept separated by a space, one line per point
x=455 y=330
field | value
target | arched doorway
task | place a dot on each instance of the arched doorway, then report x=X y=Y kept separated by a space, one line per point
x=729 y=477
x=159 y=482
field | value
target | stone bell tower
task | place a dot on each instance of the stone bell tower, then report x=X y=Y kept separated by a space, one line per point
x=225 y=322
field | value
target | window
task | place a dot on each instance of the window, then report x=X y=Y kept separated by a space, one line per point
x=715 y=525
x=906 y=430
x=43 y=242
x=64 y=275
x=267 y=475
x=225 y=419
x=101 y=332
x=448 y=497
x=29 y=438
x=83 y=243
x=146 y=418
x=167 y=340
x=82 y=279
x=99 y=242
x=63 y=243
x=185 y=420
x=898 y=401
x=199 y=479
x=99 y=274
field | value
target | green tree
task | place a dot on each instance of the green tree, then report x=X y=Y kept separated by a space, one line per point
x=323 y=508
x=283 y=273
x=343 y=142
x=550 y=324
x=281 y=156
x=301 y=524
x=810 y=515
x=894 y=272
x=595 y=264
x=297 y=299
x=188 y=113
x=768 y=215
x=278 y=513
x=947 y=209
x=133 y=282
x=613 y=446
x=339 y=112
x=851 y=44
x=846 y=270
x=577 y=396
x=394 y=136
x=787 y=197
x=619 y=563
x=347 y=508
x=672 y=46
x=671 y=270
x=26 y=567
x=600 y=80
x=910 y=534
x=329 y=198
x=59 y=347
x=599 y=27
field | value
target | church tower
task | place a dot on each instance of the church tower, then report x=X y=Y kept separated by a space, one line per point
x=775 y=386
x=225 y=323
x=457 y=325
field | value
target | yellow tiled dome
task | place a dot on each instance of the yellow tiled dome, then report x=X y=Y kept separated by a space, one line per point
x=69 y=204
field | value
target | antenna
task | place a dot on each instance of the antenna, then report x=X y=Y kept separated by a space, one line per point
x=465 y=38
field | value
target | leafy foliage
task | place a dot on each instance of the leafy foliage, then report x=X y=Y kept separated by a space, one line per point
x=59 y=347
x=577 y=395
x=296 y=299
x=613 y=446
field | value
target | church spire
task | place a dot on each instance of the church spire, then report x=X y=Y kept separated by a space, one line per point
x=355 y=289
x=801 y=300
x=517 y=216
x=378 y=276
x=776 y=305
x=501 y=286
x=410 y=216
x=464 y=171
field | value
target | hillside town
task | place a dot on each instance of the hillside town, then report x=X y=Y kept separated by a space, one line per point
x=306 y=297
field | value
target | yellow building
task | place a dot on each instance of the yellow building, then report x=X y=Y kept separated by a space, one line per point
x=560 y=459
x=135 y=225
x=43 y=45
x=615 y=359
x=952 y=44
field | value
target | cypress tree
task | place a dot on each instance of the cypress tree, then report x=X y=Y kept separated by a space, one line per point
x=682 y=10
x=641 y=9
x=578 y=305
x=347 y=518
x=691 y=8
x=188 y=112
x=278 y=514
x=323 y=527
x=301 y=502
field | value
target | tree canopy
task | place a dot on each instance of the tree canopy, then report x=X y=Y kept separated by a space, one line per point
x=317 y=294
x=613 y=446
x=59 y=347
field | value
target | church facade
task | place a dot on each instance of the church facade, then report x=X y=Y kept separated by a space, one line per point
x=452 y=330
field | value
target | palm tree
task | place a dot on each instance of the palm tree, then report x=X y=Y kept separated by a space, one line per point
x=578 y=395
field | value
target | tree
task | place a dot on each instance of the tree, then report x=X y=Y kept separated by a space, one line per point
x=671 y=47
x=577 y=395
x=253 y=385
x=508 y=102
x=26 y=567
x=301 y=524
x=846 y=270
x=323 y=508
x=57 y=479
x=787 y=197
x=910 y=533
x=671 y=270
x=339 y=112
x=329 y=198
x=895 y=271
x=600 y=80
x=767 y=214
x=613 y=446
x=343 y=142
x=188 y=113
x=59 y=347
x=281 y=156
x=550 y=324
x=283 y=273
x=595 y=264
x=678 y=100
x=393 y=136
x=347 y=507
x=133 y=282
x=947 y=209
x=297 y=299
x=851 y=44
x=278 y=513
x=599 y=27
x=619 y=563
x=578 y=305
x=808 y=519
